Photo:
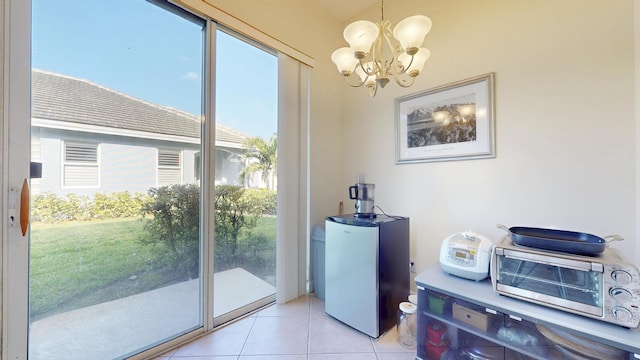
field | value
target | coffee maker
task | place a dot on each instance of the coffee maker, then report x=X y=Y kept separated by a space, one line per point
x=363 y=194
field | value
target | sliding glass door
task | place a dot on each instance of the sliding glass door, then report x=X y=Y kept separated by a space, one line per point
x=245 y=177
x=152 y=217
x=115 y=240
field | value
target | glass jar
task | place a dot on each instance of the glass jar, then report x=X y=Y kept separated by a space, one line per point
x=407 y=325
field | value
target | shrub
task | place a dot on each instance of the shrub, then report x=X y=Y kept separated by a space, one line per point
x=233 y=212
x=175 y=226
x=118 y=205
x=50 y=208
x=263 y=200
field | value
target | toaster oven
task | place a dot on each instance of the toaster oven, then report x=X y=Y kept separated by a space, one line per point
x=602 y=287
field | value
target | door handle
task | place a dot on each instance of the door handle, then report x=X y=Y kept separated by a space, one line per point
x=24 y=207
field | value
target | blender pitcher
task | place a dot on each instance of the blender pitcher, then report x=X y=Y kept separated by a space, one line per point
x=363 y=194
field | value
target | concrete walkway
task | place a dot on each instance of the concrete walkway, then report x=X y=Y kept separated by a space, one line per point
x=122 y=327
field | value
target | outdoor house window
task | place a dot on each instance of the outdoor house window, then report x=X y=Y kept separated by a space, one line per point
x=169 y=167
x=80 y=165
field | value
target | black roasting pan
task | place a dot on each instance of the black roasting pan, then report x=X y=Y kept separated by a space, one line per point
x=559 y=240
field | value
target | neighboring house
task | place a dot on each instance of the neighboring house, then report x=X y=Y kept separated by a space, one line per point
x=92 y=139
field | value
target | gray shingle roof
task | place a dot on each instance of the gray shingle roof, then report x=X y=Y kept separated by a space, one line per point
x=93 y=104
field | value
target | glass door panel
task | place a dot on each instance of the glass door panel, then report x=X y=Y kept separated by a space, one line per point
x=115 y=235
x=245 y=177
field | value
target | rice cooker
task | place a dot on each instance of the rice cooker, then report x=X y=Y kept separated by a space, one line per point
x=467 y=255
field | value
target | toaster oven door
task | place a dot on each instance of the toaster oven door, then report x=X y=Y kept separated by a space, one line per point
x=570 y=285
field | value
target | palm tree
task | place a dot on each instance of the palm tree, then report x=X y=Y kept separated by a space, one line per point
x=266 y=155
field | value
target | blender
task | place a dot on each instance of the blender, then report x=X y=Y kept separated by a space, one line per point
x=363 y=194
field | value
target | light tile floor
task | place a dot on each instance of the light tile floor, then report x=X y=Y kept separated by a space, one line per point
x=298 y=330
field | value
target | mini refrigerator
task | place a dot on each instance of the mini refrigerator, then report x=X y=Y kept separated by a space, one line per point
x=366 y=270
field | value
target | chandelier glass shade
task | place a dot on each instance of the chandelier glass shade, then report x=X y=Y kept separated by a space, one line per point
x=365 y=56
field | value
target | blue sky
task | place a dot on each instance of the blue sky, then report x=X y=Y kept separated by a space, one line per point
x=144 y=51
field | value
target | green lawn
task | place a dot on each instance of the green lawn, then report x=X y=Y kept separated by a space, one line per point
x=79 y=264
x=74 y=260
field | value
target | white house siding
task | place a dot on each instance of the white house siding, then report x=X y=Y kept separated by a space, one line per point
x=228 y=167
x=123 y=166
x=189 y=166
x=51 y=164
x=127 y=167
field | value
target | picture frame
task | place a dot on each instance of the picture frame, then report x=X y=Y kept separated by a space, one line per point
x=450 y=122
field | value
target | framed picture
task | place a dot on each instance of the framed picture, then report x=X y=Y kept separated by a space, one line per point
x=450 y=122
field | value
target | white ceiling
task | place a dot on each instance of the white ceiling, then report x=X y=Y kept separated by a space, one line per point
x=343 y=10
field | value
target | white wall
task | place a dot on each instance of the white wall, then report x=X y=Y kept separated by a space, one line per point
x=565 y=122
x=565 y=117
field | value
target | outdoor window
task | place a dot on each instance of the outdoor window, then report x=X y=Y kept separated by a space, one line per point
x=80 y=164
x=169 y=167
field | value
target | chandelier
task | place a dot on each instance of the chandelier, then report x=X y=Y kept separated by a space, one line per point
x=365 y=55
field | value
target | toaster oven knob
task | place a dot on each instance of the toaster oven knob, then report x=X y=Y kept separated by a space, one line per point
x=620 y=295
x=621 y=313
x=621 y=277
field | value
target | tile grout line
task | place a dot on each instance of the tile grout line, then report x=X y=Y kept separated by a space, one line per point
x=246 y=339
x=373 y=346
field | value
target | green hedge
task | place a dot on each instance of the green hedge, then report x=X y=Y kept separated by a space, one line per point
x=50 y=208
x=264 y=199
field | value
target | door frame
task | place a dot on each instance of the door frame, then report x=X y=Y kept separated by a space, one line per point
x=16 y=99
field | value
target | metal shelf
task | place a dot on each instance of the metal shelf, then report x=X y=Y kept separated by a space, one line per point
x=481 y=294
